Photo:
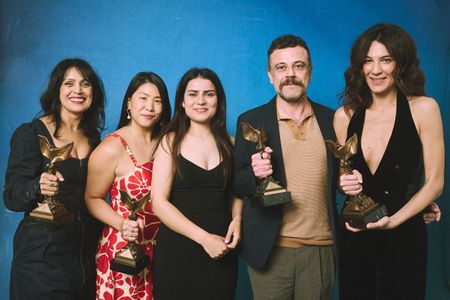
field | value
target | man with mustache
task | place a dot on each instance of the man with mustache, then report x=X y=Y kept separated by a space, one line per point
x=289 y=247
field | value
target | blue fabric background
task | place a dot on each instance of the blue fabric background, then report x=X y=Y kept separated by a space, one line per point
x=121 y=38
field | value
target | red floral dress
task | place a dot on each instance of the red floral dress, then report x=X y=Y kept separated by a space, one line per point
x=116 y=285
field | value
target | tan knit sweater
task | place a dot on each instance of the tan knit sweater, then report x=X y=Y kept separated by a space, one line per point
x=305 y=220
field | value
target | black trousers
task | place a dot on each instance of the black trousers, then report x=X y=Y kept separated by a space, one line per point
x=384 y=264
x=49 y=265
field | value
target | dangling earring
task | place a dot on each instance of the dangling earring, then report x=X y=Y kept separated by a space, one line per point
x=128 y=114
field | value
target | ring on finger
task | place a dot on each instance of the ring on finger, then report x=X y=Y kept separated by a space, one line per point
x=261 y=154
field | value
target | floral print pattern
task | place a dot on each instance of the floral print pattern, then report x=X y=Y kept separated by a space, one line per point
x=115 y=285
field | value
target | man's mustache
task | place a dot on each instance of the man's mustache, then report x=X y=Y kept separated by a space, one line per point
x=294 y=81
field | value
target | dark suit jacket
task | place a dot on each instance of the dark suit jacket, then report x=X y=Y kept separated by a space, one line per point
x=260 y=226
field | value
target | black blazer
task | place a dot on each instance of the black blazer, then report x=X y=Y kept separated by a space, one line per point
x=260 y=226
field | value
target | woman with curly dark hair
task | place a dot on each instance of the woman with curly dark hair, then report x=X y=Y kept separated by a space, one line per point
x=399 y=163
x=55 y=260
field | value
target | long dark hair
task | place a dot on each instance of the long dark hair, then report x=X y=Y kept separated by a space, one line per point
x=138 y=80
x=180 y=123
x=408 y=76
x=93 y=120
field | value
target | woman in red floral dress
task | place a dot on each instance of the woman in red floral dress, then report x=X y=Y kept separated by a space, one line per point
x=123 y=162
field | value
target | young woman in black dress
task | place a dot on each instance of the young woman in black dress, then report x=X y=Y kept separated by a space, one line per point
x=191 y=195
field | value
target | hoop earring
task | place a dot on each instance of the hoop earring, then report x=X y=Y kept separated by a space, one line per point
x=128 y=114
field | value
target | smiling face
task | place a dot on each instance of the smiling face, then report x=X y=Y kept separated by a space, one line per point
x=200 y=100
x=290 y=73
x=75 y=93
x=378 y=69
x=145 y=105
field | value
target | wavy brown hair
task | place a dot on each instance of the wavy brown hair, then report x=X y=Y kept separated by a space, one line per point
x=408 y=76
x=93 y=120
x=179 y=125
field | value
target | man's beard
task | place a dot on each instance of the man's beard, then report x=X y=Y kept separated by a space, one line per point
x=293 y=98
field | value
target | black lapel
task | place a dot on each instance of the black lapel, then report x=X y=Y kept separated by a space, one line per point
x=324 y=121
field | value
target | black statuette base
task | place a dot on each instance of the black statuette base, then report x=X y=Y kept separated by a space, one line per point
x=360 y=221
x=131 y=267
x=263 y=200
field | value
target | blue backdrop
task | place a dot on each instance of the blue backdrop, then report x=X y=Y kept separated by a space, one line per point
x=121 y=38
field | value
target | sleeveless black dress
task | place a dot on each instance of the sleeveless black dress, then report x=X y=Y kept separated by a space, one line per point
x=181 y=267
x=388 y=264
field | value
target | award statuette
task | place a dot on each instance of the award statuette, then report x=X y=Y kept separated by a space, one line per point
x=269 y=192
x=50 y=209
x=360 y=209
x=131 y=260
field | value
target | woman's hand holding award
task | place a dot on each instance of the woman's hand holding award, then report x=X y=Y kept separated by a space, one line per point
x=360 y=209
x=50 y=210
x=131 y=259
